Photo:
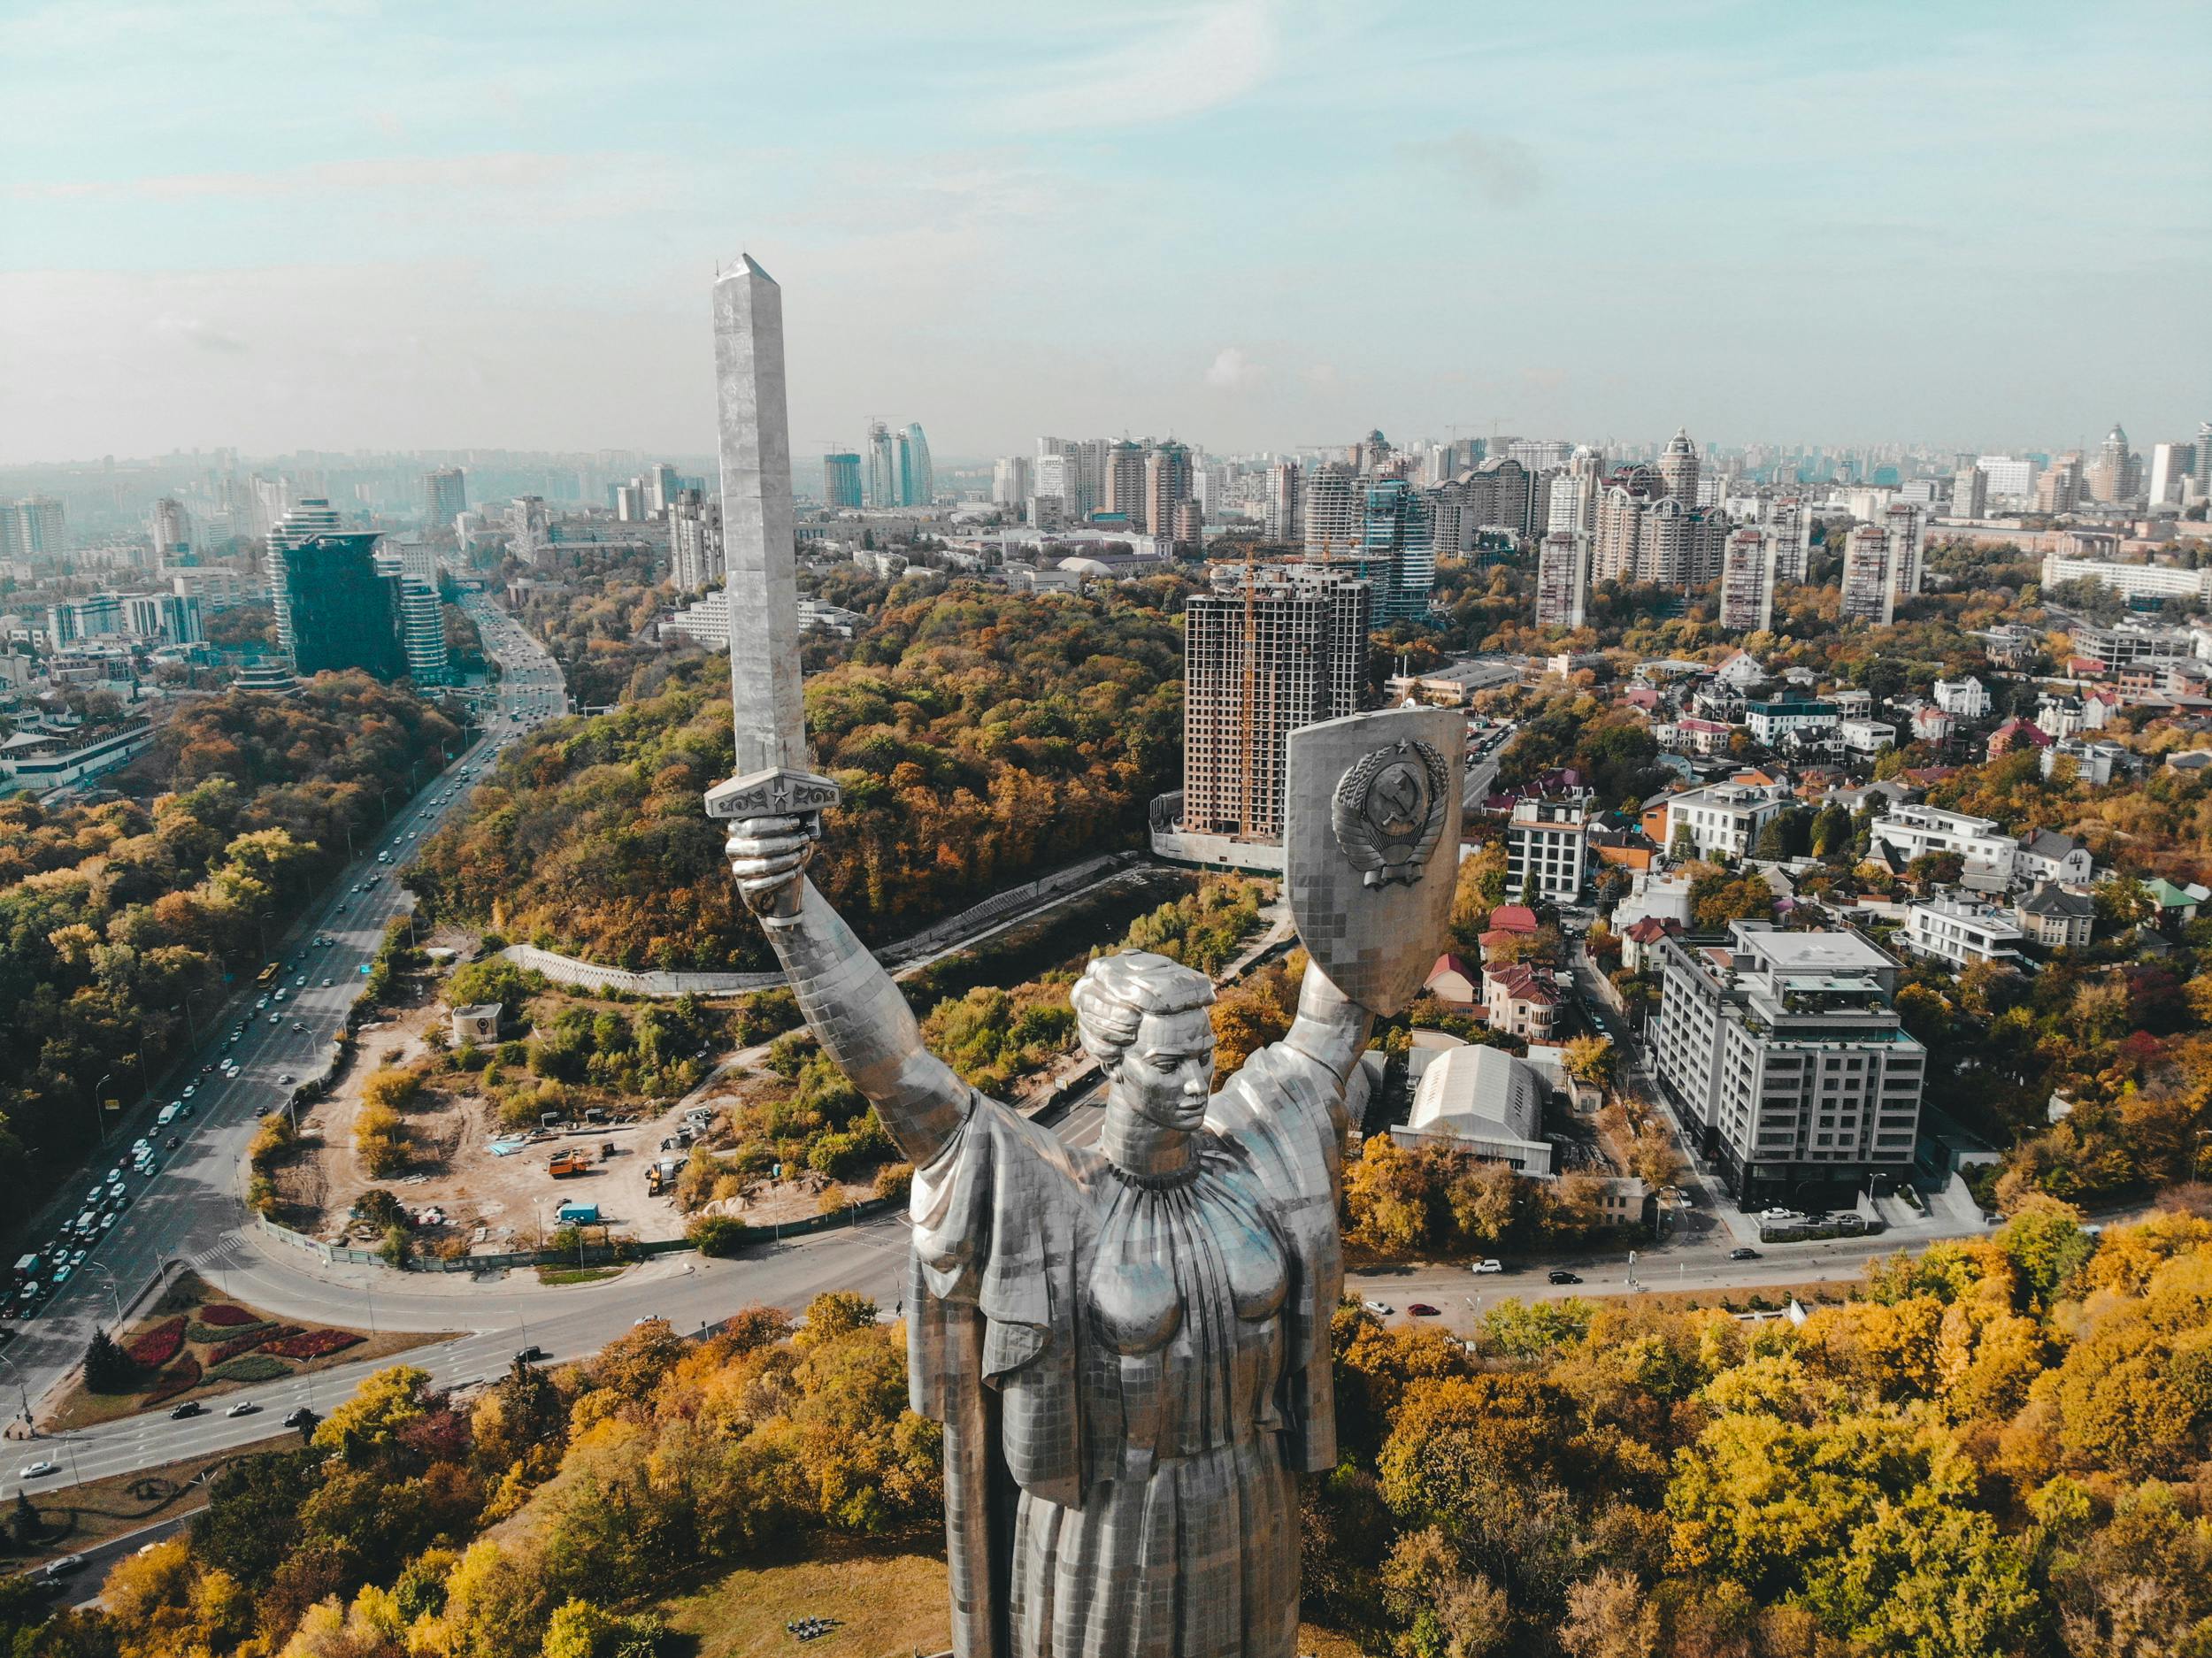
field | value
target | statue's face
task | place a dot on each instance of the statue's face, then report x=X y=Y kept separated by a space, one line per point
x=1166 y=1074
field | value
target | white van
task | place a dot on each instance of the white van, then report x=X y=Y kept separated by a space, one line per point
x=168 y=1114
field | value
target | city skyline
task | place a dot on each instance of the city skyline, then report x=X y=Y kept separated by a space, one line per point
x=422 y=242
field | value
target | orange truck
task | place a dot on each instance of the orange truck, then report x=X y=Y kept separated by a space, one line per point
x=565 y=1163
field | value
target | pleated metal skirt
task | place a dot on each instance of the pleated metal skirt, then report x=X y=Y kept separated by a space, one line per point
x=1198 y=1560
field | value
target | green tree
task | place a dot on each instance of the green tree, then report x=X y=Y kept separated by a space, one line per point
x=107 y=1368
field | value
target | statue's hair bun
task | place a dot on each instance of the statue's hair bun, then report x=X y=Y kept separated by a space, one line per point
x=1115 y=992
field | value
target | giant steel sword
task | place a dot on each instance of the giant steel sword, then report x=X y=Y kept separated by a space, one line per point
x=773 y=776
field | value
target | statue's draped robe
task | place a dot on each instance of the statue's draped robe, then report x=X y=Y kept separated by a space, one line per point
x=1132 y=1373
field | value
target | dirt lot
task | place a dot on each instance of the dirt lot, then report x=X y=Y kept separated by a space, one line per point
x=501 y=1203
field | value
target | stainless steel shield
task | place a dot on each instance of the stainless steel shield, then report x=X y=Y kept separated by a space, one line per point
x=1371 y=831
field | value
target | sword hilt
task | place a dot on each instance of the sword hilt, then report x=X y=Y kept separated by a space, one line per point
x=776 y=793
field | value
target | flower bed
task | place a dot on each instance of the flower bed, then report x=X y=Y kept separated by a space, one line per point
x=179 y=1378
x=314 y=1344
x=250 y=1340
x=250 y=1367
x=158 y=1346
x=208 y=1335
x=222 y=1313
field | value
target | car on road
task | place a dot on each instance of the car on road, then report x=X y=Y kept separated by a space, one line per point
x=1560 y=1275
x=285 y=1081
x=1380 y=1308
x=1489 y=1263
x=326 y=984
x=300 y=983
x=189 y=1408
x=1743 y=1254
x=1421 y=1309
x=530 y=1355
x=172 y=1143
x=62 y=1566
x=261 y=1004
x=34 y=1470
x=299 y=1417
x=243 y=1408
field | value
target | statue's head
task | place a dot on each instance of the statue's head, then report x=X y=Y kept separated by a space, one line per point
x=1144 y=1017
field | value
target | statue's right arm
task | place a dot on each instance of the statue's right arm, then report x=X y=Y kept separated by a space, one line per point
x=850 y=1003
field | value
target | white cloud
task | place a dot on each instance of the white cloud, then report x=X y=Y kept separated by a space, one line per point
x=1232 y=369
x=1178 y=67
x=197 y=331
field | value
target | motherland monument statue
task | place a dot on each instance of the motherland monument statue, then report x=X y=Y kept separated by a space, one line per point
x=1128 y=1346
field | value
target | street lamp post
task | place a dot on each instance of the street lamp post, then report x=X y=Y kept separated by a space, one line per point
x=99 y=1106
x=114 y=1299
x=21 y=1387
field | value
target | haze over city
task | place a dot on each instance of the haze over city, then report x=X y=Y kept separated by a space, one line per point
x=1254 y=225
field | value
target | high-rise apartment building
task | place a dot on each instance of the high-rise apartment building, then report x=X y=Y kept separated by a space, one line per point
x=172 y=618
x=2062 y=488
x=2171 y=467
x=1791 y=520
x=882 y=485
x=694 y=541
x=337 y=604
x=1906 y=524
x=1970 y=493
x=629 y=501
x=1548 y=850
x=1870 y=584
x=1307 y=661
x=1167 y=474
x=917 y=480
x=1563 y=578
x=1011 y=485
x=2204 y=458
x=2010 y=478
x=527 y=526
x=1678 y=467
x=1281 y=518
x=660 y=490
x=171 y=528
x=1495 y=496
x=1059 y=491
x=1396 y=549
x=1785 y=1057
x=1329 y=511
x=444 y=498
x=1124 y=483
x=1574 y=493
x=31 y=527
x=2115 y=476
x=841 y=480
x=1646 y=533
x=1746 y=579
x=1189 y=534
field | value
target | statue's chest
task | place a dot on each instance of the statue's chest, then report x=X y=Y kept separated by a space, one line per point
x=1190 y=1270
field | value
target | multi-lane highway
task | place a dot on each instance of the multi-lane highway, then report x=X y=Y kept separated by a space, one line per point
x=192 y=1201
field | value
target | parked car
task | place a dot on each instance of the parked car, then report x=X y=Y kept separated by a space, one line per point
x=1421 y=1309
x=1489 y=1263
x=1381 y=1309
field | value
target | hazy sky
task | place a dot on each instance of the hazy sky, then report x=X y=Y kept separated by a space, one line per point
x=280 y=223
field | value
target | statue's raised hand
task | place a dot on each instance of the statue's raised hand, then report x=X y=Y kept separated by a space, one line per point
x=768 y=857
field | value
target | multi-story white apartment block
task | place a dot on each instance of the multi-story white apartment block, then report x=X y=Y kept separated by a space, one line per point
x=1968 y=698
x=1548 y=850
x=1785 y=1057
x=1790 y=720
x=1960 y=932
x=1916 y=831
x=1563 y=578
x=1866 y=736
x=1724 y=818
x=2148 y=581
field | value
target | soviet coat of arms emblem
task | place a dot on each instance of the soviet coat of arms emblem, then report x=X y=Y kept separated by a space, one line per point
x=1388 y=811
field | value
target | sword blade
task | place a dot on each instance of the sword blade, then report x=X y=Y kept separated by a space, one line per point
x=761 y=587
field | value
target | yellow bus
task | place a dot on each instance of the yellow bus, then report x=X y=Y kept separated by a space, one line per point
x=266 y=974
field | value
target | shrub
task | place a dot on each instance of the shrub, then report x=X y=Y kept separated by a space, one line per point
x=894 y=1179
x=179 y=1378
x=717 y=1234
x=223 y=1313
x=158 y=1346
x=390 y=1090
x=313 y=1344
x=252 y=1367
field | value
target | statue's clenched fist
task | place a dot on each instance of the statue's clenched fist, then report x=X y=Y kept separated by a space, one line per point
x=769 y=855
